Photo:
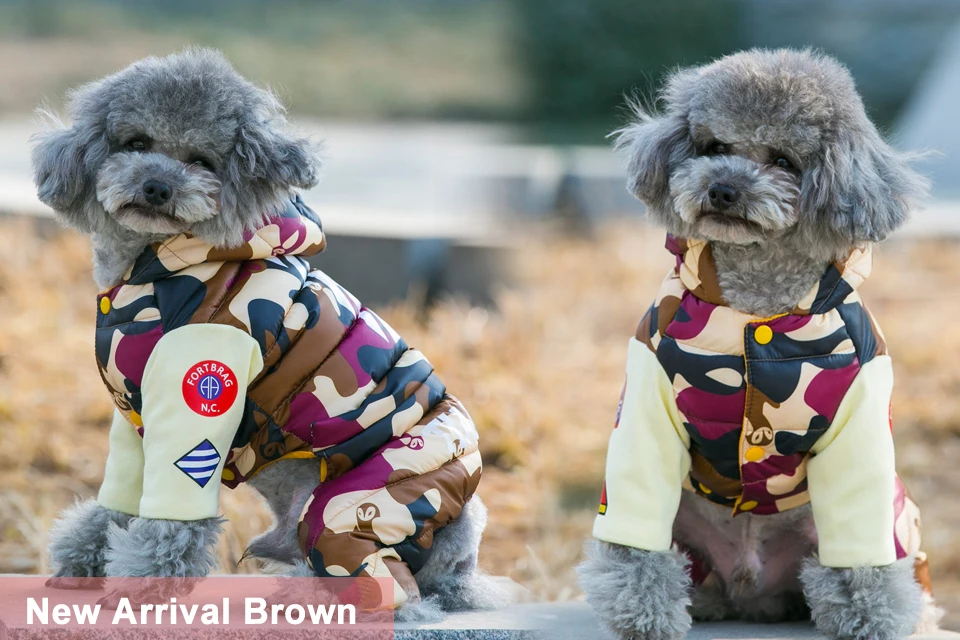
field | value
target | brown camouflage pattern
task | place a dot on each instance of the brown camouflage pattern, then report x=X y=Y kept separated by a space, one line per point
x=398 y=455
x=756 y=393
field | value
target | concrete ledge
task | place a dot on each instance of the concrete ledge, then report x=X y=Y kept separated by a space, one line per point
x=380 y=255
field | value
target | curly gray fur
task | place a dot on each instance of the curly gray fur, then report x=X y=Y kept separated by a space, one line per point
x=216 y=139
x=636 y=594
x=119 y=190
x=842 y=186
x=863 y=603
x=163 y=548
x=766 y=279
x=158 y=549
x=451 y=577
x=450 y=580
x=303 y=589
x=708 y=603
x=424 y=611
x=78 y=541
x=286 y=485
x=770 y=207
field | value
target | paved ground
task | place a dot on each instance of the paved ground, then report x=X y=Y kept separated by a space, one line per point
x=574 y=621
x=528 y=621
x=545 y=621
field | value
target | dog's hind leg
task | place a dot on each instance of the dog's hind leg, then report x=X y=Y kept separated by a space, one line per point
x=637 y=594
x=709 y=603
x=78 y=544
x=451 y=580
x=286 y=485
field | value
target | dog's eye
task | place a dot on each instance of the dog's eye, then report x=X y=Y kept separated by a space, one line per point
x=137 y=144
x=202 y=162
x=718 y=149
x=784 y=163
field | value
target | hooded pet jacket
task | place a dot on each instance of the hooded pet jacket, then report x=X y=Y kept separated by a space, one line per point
x=760 y=415
x=226 y=360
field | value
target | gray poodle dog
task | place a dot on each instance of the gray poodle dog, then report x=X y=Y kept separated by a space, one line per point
x=768 y=161
x=185 y=145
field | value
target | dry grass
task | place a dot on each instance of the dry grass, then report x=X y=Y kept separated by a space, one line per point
x=541 y=376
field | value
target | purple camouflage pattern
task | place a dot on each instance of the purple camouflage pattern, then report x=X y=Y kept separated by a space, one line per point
x=398 y=455
x=755 y=393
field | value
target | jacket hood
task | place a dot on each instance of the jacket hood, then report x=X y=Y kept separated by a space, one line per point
x=698 y=273
x=295 y=231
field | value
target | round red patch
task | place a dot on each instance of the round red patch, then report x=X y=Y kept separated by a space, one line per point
x=209 y=388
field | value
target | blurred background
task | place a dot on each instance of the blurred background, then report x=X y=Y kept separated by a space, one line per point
x=471 y=196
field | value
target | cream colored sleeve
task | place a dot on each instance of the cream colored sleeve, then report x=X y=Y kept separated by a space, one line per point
x=851 y=477
x=185 y=448
x=123 y=478
x=647 y=459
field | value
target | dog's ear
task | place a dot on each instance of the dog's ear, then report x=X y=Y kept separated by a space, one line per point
x=265 y=163
x=654 y=146
x=266 y=153
x=65 y=162
x=862 y=189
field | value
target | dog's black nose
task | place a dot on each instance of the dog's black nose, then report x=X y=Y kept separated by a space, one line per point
x=722 y=196
x=157 y=193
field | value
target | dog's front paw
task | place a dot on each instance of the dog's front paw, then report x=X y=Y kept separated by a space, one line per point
x=863 y=603
x=467 y=590
x=636 y=594
x=78 y=544
x=300 y=585
x=163 y=548
x=419 y=610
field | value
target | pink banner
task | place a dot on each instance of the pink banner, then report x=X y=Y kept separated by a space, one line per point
x=213 y=607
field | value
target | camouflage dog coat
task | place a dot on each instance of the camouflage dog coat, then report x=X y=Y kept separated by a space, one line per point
x=190 y=325
x=760 y=415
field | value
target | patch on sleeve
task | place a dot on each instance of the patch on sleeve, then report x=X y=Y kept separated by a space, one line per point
x=209 y=388
x=200 y=463
x=603 y=500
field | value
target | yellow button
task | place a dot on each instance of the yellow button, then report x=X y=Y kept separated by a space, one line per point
x=228 y=475
x=704 y=488
x=136 y=419
x=754 y=454
x=104 y=305
x=748 y=505
x=763 y=334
